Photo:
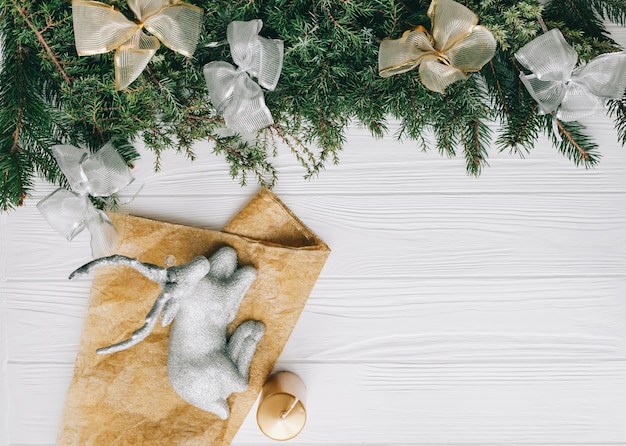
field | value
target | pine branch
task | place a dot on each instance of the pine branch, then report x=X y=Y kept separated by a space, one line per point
x=617 y=110
x=245 y=159
x=520 y=132
x=501 y=101
x=329 y=81
x=574 y=143
x=41 y=40
x=613 y=10
x=476 y=138
x=24 y=118
x=577 y=14
x=301 y=152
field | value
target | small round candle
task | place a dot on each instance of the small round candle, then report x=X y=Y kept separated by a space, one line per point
x=281 y=414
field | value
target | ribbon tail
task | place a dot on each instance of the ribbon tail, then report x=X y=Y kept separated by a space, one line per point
x=437 y=76
x=132 y=57
x=103 y=234
x=247 y=113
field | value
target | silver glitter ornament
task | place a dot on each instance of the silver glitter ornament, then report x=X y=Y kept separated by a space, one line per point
x=201 y=298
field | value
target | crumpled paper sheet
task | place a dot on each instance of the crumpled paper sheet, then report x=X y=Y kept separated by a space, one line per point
x=125 y=398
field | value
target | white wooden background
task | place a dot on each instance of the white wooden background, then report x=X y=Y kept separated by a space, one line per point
x=452 y=310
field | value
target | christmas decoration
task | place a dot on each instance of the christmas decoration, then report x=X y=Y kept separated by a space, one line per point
x=556 y=85
x=100 y=174
x=234 y=95
x=281 y=414
x=202 y=297
x=126 y=397
x=50 y=95
x=100 y=28
x=457 y=46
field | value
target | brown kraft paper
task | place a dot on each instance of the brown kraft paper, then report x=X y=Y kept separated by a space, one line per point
x=125 y=398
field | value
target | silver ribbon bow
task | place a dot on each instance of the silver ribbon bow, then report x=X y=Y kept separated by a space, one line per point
x=233 y=93
x=100 y=174
x=556 y=83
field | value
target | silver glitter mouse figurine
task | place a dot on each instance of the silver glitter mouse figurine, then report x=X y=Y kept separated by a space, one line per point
x=201 y=298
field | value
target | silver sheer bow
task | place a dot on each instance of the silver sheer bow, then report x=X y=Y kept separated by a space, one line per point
x=556 y=84
x=100 y=174
x=233 y=93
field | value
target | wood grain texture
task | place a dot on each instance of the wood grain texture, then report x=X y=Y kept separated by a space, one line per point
x=4 y=336
x=452 y=310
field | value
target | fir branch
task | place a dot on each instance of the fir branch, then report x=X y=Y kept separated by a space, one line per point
x=574 y=143
x=475 y=139
x=617 y=110
x=26 y=120
x=42 y=41
x=246 y=159
x=302 y=153
x=613 y=10
x=520 y=131
x=16 y=181
x=500 y=95
x=329 y=81
x=577 y=14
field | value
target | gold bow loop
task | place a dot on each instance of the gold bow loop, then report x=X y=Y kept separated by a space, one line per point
x=100 y=28
x=456 y=46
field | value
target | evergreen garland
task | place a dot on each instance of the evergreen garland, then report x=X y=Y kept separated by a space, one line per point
x=50 y=95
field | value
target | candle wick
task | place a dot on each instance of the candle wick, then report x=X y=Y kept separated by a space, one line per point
x=285 y=413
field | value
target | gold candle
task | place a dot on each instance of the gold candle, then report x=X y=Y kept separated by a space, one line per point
x=281 y=414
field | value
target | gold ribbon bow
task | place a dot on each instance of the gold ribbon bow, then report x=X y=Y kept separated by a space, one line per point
x=456 y=47
x=100 y=28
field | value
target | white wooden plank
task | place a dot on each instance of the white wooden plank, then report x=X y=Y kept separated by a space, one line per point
x=46 y=320
x=411 y=170
x=449 y=404
x=452 y=309
x=389 y=235
x=4 y=336
x=462 y=320
x=36 y=397
x=406 y=320
x=401 y=403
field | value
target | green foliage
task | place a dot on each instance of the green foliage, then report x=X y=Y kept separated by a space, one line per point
x=617 y=110
x=50 y=95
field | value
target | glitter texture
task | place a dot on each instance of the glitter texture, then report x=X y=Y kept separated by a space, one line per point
x=201 y=298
